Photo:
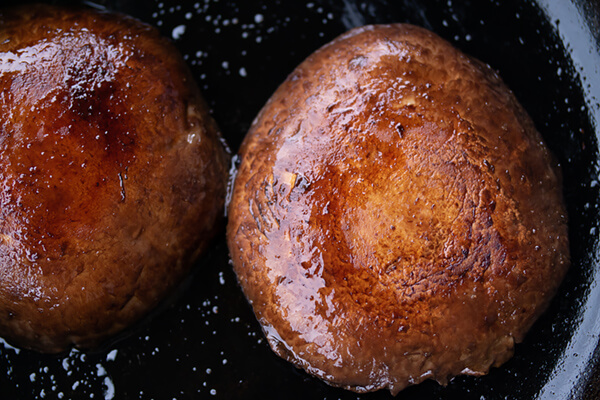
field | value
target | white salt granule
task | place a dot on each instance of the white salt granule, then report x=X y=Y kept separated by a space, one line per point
x=112 y=355
x=178 y=32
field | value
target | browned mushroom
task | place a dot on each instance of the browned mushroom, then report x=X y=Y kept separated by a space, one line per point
x=111 y=174
x=396 y=216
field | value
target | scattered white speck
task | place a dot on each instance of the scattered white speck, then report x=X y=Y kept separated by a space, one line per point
x=65 y=364
x=101 y=371
x=178 y=31
x=258 y=18
x=32 y=377
x=112 y=355
x=8 y=346
x=559 y=71
x=468 y=37
x=215 y=310
x=208 y=371
x=224 y=361
x=225 y=65
x=213 y=392
x=109 y=392
x=75 y=385
x=188 y=15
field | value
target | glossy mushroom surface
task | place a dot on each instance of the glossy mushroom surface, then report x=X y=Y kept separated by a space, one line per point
x=112 y=174
x=396 y=216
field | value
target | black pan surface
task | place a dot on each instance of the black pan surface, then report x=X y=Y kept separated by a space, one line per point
x=206 y=343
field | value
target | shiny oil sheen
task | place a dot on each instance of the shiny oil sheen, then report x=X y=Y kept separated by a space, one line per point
x=208 y=344
x=395 y=216
x=105 y=145
x=69 y=123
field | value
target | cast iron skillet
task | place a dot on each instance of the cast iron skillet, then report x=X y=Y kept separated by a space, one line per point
x=205 y=343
